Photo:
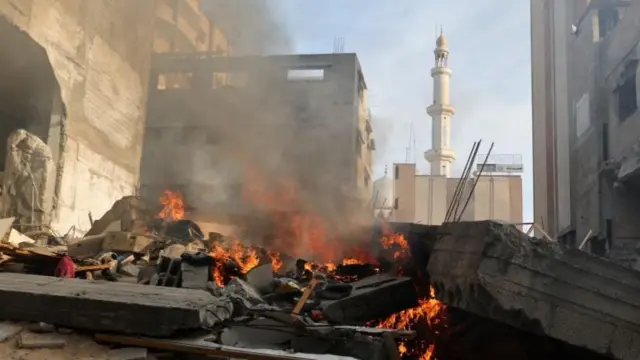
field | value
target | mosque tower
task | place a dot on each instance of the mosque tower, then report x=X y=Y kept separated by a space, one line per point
x=441 y=156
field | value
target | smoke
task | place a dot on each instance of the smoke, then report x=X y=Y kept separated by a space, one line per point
x=262 y=145
x=253 y=26
x=384 y=128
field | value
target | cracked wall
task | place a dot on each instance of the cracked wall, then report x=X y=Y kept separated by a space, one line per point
x=100 y=52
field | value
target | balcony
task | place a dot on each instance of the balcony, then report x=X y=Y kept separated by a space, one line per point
x=164 y=11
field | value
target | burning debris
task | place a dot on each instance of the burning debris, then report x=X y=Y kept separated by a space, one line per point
x=245 y=297
x=221 y=296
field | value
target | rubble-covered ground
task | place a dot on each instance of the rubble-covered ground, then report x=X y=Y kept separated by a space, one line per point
x=149 y=284
x=153 y=280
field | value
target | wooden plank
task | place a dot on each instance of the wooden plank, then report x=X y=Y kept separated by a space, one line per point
x=100 y=305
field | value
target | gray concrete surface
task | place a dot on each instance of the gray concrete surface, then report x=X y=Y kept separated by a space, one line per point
x=496 y=271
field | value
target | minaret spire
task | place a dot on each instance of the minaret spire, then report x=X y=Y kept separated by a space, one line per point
x=441 y=156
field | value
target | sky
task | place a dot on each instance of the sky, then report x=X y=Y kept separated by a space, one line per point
x=489 y=42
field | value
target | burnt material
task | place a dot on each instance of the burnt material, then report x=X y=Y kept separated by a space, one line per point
x=375 y=297
x=101 y=306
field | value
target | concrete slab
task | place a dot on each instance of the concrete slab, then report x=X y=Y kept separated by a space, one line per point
x=373 y=298
x=105 y=306
x=496 y=271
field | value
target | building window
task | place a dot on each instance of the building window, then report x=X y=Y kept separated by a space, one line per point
x=305 y=74
x=626 y=92
x=396 y=172
x=608 y=18
x=396 y=203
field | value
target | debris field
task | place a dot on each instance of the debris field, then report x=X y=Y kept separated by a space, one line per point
x=143 y=284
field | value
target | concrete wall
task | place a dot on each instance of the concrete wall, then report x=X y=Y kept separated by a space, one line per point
x=99 y=51
x=552 y=106
x=425 y=198
x=619 y=47
x=404 y=190
x=543 y=135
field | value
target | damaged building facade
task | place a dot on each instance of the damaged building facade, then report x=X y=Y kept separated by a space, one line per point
x=76 y=79
x=586 y=123
x=234 y=121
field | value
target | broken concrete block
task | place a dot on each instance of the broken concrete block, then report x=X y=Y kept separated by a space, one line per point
x=9 y=330
x=128 y=354
x=41 y=328
x=126 y=211
x=86 y=247
x=103 y=306
x=374 y=297
x=245 y=291
x=40 y=341
x=195 y=277
x=261 y=278
x=496 y=271
x=120 y=241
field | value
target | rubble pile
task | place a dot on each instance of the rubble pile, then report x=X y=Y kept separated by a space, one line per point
x=157 y=283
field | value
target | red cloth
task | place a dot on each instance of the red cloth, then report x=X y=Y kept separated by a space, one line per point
x=65 y=268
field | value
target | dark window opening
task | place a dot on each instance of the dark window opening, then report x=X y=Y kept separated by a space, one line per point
x=396 y=203
x=396 y=172
x=608 y=18
x=609 y=232
x=627 y=93
x=598 y=246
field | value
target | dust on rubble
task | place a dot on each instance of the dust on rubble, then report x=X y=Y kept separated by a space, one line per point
x=78 y=347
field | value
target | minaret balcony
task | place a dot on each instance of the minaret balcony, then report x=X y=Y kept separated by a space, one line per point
x=446 y=155
x=437 y=109
x=440 y=71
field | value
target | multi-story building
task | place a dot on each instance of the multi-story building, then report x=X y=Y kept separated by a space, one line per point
x=425 y=199
x=302 y=118
x=585 y=102
x=182 y=26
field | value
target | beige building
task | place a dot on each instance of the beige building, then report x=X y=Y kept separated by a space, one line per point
x=425 y=199
x=411 y=197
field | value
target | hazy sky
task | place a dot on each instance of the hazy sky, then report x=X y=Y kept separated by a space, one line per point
x=490 y=57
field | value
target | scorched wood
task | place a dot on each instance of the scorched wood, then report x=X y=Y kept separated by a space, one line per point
x=102 y=306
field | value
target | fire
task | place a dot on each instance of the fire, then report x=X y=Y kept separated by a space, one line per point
x=246 y=258
x=276 y=262
x=173 y=205
x=396 y=242
x=430 y=312
x=299 y=231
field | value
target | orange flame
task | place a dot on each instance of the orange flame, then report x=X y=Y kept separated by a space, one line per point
x=398 y=242
x=428 y=310
x=246 y=258
x=173 y=205
x=300 y=232
x=276 y=262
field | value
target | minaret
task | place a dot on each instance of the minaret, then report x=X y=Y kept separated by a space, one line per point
x=441 y=156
